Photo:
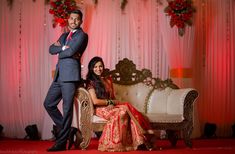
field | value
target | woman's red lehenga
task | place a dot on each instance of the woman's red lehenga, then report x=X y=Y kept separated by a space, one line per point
x=124 y=130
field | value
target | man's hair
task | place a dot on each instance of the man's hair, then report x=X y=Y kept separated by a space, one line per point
x=77 y=12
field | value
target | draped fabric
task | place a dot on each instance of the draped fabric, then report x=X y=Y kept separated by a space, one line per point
x=25 y=64
x=214 y=59
x=132 y=33
x=140 y=32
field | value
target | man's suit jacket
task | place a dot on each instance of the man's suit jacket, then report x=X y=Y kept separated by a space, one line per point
x=69 y=67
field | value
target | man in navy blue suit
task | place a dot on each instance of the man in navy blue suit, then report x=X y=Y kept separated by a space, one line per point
x=69 y=49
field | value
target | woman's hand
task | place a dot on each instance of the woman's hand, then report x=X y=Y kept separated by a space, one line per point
x=110 y=107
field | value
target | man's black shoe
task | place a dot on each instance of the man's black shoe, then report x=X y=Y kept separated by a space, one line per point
x=72 y=133
x=57 y=147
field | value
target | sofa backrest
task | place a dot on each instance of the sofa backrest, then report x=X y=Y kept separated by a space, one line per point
x=136 y=94
x=136 y=86
x=157 y=102
x=168 y=100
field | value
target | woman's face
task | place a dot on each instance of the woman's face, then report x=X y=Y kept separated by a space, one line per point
x=98 y=68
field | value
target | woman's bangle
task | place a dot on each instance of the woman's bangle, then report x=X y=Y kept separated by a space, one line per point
x=110 y=102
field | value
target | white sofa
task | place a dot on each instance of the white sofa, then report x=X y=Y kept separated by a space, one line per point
x=167 y=107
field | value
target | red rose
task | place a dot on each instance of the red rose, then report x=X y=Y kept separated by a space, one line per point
x=53 y=4
x=51 y=11
x=60 y=10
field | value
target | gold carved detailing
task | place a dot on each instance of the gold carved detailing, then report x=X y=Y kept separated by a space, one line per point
x=86 y=110
x=98 y=127
x=125 y=73
x=146 y=101
x=162 y=84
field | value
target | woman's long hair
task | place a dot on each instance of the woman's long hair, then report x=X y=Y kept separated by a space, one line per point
x=92 y=77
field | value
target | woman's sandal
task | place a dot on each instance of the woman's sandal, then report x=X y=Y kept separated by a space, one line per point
x=149 y=146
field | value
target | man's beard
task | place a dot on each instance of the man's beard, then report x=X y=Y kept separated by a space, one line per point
x=74 y=26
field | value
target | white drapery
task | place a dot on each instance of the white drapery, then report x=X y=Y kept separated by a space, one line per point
x=26 y=66
x=139 y=33
x=132 y=33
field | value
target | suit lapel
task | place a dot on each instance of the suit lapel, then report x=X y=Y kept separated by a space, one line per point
x=64 y=37
x=74 y=35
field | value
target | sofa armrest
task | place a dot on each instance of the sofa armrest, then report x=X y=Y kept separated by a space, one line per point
x=86 y=109
x=189 y=100
x=180 y=101
x=176 y=100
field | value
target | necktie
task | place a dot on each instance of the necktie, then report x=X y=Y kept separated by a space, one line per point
x=69 y=37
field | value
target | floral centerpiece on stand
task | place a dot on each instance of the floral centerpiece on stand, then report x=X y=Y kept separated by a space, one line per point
x=60 y=10
x=181 y=13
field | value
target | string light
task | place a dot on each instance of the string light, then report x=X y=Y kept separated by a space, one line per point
x=20 y=30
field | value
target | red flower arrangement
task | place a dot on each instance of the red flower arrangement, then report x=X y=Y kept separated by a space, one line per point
x=181 y=12
x=60 y=10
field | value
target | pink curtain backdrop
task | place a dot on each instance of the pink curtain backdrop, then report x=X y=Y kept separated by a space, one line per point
x=141 y=33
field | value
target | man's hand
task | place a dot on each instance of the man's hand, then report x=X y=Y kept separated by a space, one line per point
x=65 y=47
x=57 y=43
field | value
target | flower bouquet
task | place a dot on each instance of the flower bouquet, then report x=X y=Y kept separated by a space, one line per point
x=60 y=10
x=181 y=13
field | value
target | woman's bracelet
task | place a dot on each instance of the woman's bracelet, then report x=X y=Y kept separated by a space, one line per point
x=109 y=102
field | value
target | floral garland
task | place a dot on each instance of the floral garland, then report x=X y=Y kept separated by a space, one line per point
x=181 y=13
x=60 y=10
x=10 y=3
x=122 y=3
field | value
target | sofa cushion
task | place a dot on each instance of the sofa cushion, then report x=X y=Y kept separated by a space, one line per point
x=157 y=102
x=153 y=117
x=164 y=118
x=135 y=94
x=97 y=119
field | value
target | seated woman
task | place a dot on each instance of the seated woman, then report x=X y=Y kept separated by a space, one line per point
x=127 y=129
